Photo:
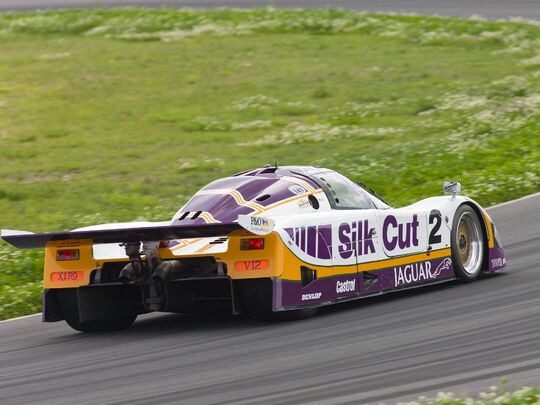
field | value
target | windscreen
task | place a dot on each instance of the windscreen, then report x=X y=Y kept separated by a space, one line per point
x=345 y=193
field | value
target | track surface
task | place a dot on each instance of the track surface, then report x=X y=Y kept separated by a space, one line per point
x=453 y=336
x=460 y=8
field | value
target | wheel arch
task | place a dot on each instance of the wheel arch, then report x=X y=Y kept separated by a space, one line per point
x=480 y=214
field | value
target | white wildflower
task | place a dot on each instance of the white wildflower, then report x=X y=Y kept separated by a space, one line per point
x=257 y=124
x=461 y=102
x=297 y=132
x=256 y=102
x=203 y=123
x=53 y=56
x=535 y=60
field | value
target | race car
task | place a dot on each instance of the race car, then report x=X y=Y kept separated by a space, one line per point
x=273 y=241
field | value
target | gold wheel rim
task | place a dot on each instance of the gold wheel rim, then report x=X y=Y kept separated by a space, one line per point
x=464 y=246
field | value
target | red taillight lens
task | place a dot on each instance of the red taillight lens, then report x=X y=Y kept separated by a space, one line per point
x=67 y=254
x=251 y=244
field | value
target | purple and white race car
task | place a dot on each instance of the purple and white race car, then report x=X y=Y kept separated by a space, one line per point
x=271 y=241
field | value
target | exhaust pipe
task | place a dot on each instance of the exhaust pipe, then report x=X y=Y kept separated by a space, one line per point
x=167 y=270
x=156 y=299
x=131 y=272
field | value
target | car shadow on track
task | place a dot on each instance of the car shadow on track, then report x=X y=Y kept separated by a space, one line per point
x=179 y=324
x=412 y=293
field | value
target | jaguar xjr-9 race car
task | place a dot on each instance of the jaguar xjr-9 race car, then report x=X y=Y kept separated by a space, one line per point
x=270 y=241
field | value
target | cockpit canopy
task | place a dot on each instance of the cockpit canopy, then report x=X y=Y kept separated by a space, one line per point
x=271 y=190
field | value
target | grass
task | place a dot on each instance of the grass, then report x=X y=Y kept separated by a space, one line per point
x=120 y=115
x=494 y=396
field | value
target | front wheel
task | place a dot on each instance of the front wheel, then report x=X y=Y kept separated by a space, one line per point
x=467 y=244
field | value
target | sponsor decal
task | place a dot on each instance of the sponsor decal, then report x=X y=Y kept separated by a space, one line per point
x=444 y=265
x=63 y=243
x=412 y=273
x=355 y=238
x=296 y=189
x=258 y=221
x=402 y=236
x=256 y=225
x=346 y=286
x=498 y=262
x=313 y=240
x=303 y=203
x=312 y=296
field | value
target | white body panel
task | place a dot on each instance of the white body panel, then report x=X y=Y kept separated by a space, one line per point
x=372 y=234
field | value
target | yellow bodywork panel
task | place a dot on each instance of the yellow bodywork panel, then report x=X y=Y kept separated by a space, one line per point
x=491 y=241
x=258 y=263
x=69 y=273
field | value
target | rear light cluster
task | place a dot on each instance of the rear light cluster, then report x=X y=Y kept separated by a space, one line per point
x=63 y=255
x=252 y=244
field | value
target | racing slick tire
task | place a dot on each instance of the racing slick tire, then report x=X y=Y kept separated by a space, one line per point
x=468 y=244
x=69 y=307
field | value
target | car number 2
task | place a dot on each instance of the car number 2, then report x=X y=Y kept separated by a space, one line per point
x=434 y=236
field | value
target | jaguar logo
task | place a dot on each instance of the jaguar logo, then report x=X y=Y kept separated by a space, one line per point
x=444 y=265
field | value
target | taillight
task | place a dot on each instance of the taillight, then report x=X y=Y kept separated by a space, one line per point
x=64 y=255
x=252 y=244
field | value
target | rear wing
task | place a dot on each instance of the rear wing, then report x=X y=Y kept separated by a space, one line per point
x=25 y=240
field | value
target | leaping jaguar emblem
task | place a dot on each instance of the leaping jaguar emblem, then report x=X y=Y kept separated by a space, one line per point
x=444 y=265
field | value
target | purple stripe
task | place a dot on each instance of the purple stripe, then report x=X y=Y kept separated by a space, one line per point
x=222 y=207
x=290 y=232
x=324 y=242
x=251 y=188
x=311 y=241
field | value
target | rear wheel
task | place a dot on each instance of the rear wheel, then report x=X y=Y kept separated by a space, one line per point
x=467 y=244
x=69 y=307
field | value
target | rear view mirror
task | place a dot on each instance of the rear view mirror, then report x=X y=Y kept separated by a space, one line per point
x=452 y=187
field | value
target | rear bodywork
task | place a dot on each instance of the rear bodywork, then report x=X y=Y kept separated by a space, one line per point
x=304 y=250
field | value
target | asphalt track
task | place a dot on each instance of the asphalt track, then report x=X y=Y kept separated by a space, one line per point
x=449 y=337
x=461 y=8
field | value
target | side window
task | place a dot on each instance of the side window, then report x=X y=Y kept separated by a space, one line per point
x=345 y=193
